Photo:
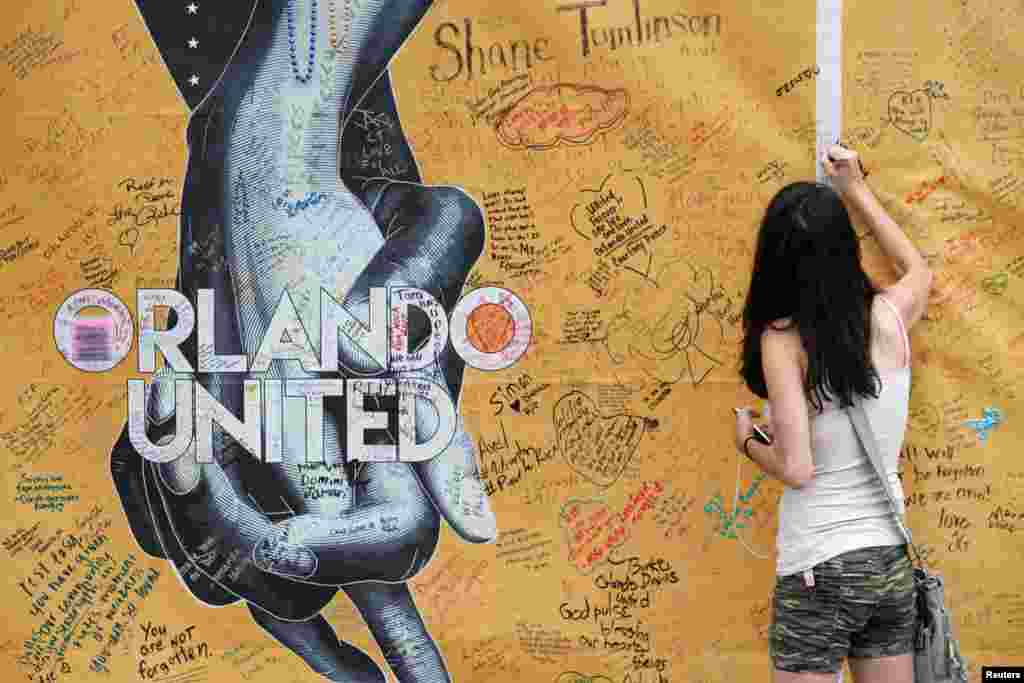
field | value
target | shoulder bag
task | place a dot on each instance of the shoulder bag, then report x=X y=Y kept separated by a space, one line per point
x=937 y=657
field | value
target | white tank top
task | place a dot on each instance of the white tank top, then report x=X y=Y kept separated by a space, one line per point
x=844 y=506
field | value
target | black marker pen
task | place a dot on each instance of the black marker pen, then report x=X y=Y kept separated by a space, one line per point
x=863 y=171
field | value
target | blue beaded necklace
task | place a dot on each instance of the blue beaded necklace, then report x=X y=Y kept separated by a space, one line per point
x=312 y=42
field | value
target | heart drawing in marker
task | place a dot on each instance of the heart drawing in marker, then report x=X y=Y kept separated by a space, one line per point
x=911 y=113
x=597 y=447
x=616 y=218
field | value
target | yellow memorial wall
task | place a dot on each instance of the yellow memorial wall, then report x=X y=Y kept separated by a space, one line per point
x=609 y=162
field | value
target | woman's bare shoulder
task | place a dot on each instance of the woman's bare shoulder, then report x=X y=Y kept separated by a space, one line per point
x=887 y=350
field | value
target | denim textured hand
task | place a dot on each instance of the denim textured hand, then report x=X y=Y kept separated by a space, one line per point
x=270 y=209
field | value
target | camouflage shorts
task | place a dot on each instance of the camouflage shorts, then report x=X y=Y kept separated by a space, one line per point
x=862 y=605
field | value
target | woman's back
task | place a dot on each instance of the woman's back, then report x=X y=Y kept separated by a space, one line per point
x=844 y=506
x=889 y=340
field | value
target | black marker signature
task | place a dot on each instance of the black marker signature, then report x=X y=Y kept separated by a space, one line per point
x=142 y=215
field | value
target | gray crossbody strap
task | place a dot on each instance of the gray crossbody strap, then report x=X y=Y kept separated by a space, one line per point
x=866 y=435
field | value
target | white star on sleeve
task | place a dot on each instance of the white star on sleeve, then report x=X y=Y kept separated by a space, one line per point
x=192 y=8
x=194 y=80
x=193 y=43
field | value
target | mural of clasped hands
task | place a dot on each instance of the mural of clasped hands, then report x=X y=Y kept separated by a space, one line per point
x=267 y=208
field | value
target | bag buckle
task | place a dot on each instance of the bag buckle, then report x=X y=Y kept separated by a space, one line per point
x=923 y=636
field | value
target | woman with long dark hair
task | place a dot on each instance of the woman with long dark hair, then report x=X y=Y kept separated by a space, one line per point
x=818 y=336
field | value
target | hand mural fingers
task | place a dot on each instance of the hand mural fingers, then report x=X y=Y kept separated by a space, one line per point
x=389 y=536
x=202 y=540
x=452 y=479
x=433 y=237
x=127 y=466
x=192 y=574
x=203 y=523
x=135 y=484
x=126 y=471
x=441 y=245
x=398 y=628
x=381 y=527
x=315 y=641
x=384 y=539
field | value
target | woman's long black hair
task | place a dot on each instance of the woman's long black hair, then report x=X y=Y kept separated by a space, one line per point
x=807 y=268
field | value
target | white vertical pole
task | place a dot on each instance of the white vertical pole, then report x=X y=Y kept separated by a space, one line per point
x=829 y=84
